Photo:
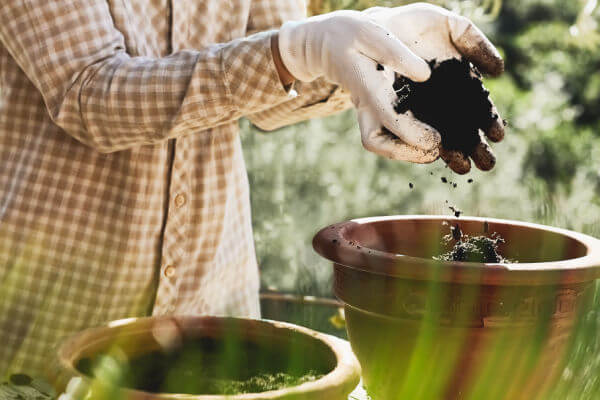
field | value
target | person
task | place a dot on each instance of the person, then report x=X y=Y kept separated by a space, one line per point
x=123 y=190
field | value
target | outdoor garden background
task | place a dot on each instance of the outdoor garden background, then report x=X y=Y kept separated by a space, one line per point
x=316 y=173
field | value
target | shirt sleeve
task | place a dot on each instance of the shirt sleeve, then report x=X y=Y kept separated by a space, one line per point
x=315 y=99
x=99 y=94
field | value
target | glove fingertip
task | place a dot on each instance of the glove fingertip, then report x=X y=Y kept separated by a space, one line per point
x=421 y=71
x=411 y=66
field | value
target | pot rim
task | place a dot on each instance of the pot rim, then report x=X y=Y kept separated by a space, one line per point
x=331 y=243
x=345 y=373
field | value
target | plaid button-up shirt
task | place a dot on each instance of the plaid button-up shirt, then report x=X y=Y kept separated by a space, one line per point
x=123 y=189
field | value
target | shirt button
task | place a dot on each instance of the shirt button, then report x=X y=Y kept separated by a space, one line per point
x=169 y=271
x=180 y=200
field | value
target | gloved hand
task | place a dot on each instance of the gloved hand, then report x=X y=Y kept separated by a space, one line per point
x=346 y=47
x=77 y=389
x=433 y=32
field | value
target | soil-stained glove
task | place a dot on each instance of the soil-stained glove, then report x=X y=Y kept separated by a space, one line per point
x=346 y=47
x=432 y=32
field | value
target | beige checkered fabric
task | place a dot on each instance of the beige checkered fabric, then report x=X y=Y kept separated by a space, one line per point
x=123 y=189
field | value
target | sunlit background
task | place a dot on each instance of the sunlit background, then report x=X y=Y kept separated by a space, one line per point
x=316 y=173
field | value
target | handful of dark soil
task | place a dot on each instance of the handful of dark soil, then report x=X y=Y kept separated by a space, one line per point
x=453 y=101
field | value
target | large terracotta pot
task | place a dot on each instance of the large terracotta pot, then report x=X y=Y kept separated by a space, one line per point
x=283 y=344
x=423 y=329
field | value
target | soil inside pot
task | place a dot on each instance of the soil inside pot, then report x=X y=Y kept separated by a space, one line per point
x=453 y=101
x=479 y=249
x=209 y=366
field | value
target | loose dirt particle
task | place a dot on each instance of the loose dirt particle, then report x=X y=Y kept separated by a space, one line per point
x=456 y=211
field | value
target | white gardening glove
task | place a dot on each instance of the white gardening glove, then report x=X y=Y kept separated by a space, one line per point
x=345 y=47
x=433 y=32
x=76 y=389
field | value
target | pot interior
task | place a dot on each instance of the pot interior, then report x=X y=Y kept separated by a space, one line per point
x=422 y=237
x=228 y=360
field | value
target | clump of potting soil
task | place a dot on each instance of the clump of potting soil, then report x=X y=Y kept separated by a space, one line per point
x=453 y=101
x=479 y=249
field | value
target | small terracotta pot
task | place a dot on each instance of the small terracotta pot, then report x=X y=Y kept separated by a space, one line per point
x=450 y=330
x=136 y=337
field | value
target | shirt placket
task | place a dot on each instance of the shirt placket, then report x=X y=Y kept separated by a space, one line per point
x=175 y=249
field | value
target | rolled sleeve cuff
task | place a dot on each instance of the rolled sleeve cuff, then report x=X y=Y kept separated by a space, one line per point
x=315 y=99
x=251 y=75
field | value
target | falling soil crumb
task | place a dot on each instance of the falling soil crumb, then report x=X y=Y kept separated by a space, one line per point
x=454 y=185
x=410 y=185
x=443 y=178
x=456 y=211
x=453 y=101
x=470 y=181
x=380 y=67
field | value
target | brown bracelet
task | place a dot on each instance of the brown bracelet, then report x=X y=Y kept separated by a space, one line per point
x=284 y=75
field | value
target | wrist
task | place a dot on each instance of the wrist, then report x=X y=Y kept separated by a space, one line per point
x=287 y=79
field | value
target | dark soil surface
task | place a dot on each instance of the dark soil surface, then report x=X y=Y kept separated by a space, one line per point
x=208 y=366
x=453 y=101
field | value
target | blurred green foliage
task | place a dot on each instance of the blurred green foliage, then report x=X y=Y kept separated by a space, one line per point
x=316 y=173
